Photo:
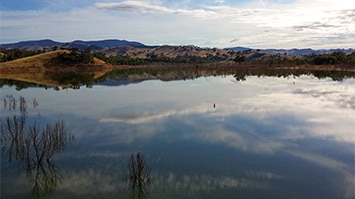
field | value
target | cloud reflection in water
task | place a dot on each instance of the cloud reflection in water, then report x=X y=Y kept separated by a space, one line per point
x=273 y=115
x=309 y=122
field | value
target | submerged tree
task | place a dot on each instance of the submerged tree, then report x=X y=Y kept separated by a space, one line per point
x=139 y=176
x=32 y=145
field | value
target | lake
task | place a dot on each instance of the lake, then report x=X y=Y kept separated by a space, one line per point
x=207 y=137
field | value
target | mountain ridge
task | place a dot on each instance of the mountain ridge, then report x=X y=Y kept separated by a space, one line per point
x=80 y=44
x=47 y=44
x=293 y=51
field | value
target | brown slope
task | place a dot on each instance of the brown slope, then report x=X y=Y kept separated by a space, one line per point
x=168 y=51
x=36 y=69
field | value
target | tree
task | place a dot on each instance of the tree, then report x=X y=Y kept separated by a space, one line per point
x=54 y=48
x=76 y=57
x=240 y=59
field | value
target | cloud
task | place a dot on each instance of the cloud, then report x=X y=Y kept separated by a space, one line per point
x=134 y=6
x=202 y=183
x=91 y=183
x=278 y=24
x=264 y=175
x=348 y=176
x=96 y=183
x=143 y=7
x=149 y=116
x=315 y=26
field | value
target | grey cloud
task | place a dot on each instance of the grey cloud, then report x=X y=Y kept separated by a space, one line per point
x=185 y=184
x=234 y=40
x=338 y=19
x=342 y=100
x=347 y=102
x=345 y=16
x=314 y=93
x=143 y=7
x=314 y=26
x=338 y=38
x=134 y=6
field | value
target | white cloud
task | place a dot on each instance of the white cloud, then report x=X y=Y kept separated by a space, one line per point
x=96 y=183
x=298 y=24
x=258 y=24
x=149 y=116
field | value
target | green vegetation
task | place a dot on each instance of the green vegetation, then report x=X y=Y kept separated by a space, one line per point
x=19 y=84
x=334 y=58
x=124 y=73
x=75 y=79
x=12 y=54
x=186 y=59
x=76 y=57
x=115 y=60
x=273 y=60
x=277 y=60
x=125 y=76
x=240 y=59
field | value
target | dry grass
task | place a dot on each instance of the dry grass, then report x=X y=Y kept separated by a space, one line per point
x=33 y=61
x=41 y=60
x=33 y=69
x=165 y=51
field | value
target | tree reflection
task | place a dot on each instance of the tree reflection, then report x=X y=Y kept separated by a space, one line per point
x=139 y=176
x=74 y=79
x=43 y=178
x=33 y=145
x=240 y=77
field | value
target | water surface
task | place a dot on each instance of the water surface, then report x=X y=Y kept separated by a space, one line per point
x=210 y=137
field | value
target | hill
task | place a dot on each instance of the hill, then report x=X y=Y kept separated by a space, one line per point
x=48 y=69
x=135 y=53
x=169 y=52
x=43 y=60
x=33 y=61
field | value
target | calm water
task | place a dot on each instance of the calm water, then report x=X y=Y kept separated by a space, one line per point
x=211 y=137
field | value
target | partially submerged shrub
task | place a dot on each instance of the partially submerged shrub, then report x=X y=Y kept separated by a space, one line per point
x=139 y=176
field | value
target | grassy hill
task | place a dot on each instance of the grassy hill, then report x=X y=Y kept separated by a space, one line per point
x=43 y=60
x=46 y=69
x=33 y=61
x=169 y=52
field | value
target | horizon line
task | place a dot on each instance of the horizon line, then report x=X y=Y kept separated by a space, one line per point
x=157 y=45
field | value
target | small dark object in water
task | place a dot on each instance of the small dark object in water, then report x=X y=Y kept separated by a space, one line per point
x=139 y=176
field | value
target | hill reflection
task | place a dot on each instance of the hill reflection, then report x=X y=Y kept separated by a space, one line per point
x=74 y=80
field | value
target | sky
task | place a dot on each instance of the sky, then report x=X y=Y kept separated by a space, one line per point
x=317 y=24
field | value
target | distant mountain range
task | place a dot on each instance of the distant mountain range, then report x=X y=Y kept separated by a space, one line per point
x=81 y=45
x=294 y=51
x=114 y=43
